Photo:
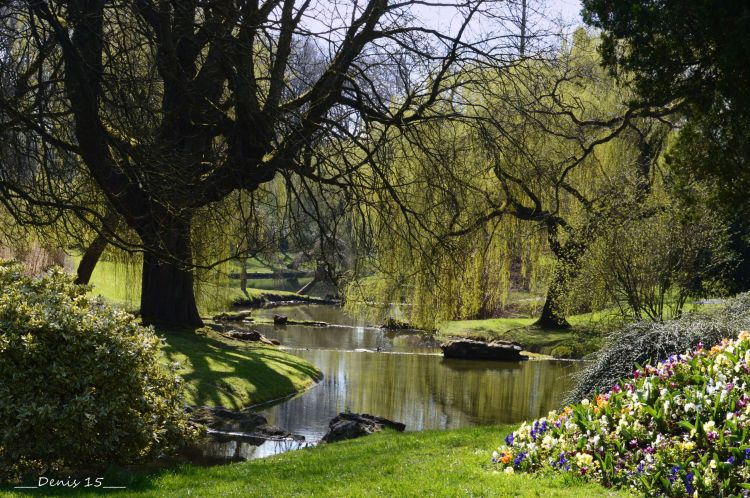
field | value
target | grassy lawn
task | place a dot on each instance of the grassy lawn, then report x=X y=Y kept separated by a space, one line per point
x=583 y=337
x=431 y=463
x=217 y=370
x=222 y=372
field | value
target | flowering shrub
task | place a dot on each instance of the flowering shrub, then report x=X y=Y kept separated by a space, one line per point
x=680 y=428
x=648 y=342
x=81 y=383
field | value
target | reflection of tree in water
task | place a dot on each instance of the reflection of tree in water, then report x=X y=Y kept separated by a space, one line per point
x=424 y=391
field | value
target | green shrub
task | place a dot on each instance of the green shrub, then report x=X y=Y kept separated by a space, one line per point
x=81 y=383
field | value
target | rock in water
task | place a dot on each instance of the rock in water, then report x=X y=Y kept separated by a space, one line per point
x=470 y=349
x=280 y=320
x=354 y=425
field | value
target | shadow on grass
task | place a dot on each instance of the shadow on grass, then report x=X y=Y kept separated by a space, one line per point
x=222 y=372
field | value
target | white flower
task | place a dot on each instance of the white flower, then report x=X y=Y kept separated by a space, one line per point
x=508 y=470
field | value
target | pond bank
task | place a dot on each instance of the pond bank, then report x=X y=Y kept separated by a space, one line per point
x=223 y=372
x=582 y=338
x=261 y=298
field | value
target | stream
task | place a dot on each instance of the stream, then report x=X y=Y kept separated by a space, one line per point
x=397 y=375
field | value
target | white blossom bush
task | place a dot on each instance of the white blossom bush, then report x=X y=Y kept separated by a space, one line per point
x=81 y=382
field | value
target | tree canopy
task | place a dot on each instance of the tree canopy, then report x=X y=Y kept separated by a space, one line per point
x=166 y=108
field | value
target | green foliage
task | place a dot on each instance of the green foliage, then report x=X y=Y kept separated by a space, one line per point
x=707 y=162
x=690 y=49
x=81 y=383
x=649 y=263
x=512 y=200
x=695 y=53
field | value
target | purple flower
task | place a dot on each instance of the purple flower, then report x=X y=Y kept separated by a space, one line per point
x=560 y=463
x=730 y=460
x=519 y=458
x=712 y=436
x=509 y=439
x=689 y=482
x=673 y=474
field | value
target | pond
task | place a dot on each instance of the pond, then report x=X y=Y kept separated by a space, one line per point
x=400 y=376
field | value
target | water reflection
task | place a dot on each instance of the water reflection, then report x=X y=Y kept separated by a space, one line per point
x=214 y=450
x=398 y=375
x=423 y=391
x=347 y=338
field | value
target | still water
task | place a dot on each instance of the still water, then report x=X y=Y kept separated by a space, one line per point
x=405 y=378
x=398 y=375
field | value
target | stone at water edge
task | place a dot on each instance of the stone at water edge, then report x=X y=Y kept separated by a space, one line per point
x=243 y=421
x=224 y=419
x=280 y=320
x=354 y=425
x=470 y=349
x=250 y=336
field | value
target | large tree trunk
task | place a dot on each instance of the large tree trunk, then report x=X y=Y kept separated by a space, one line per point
x=167 y=294
x=551 y=317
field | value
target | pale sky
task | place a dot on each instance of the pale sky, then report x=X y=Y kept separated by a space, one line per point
x=569 y=9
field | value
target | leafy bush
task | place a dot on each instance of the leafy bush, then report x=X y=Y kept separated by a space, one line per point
x=81 y=383
x=649 y=264
x=642 y=342
x=679 y=428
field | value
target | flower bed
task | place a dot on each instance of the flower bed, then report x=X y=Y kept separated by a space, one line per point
x=679 y=428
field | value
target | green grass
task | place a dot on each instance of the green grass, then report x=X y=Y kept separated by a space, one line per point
x=430 y=463
x=217 y=370
x=222 y=372
x=583 y=337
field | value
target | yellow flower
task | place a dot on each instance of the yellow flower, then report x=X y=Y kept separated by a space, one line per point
x=584 y=459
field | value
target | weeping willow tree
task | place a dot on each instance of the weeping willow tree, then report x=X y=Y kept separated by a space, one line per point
x=515 y=195
x=171 y=107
